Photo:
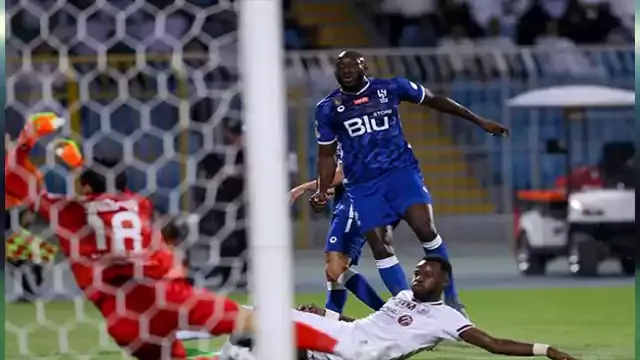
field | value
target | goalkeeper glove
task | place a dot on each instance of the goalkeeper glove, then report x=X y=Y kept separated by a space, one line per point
x=23 y=245
x=69 y=152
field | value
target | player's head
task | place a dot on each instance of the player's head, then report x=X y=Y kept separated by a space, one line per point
x=171 y=233
x=430 y=277
x=93 y=181
x=351 y=70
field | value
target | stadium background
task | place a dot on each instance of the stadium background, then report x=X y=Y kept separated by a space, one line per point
x=128 y=91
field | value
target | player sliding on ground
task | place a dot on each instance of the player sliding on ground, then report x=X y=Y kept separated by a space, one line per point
x=343 y=248
x=413 y=321
x=122 y=263
x=383 y=177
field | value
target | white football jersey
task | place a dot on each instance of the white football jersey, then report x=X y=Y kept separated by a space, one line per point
x=411 y=326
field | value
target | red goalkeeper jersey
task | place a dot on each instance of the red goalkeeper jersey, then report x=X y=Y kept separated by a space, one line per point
x=106 y=238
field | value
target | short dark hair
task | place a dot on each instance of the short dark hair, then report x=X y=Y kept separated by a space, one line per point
x=350 y=54
x=444 y=263
x=94 y=177
x=171 y=231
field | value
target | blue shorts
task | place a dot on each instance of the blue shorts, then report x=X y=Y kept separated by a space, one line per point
x=385 y=200
x=344 y=234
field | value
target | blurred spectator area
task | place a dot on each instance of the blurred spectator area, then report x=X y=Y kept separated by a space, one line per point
x=418 y=23
x=136 y=104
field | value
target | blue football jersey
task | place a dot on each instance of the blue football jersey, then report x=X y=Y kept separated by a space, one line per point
x=367 y=126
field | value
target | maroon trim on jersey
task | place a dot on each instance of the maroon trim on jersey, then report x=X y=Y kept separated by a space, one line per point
x=428 y=303
x=464 y=328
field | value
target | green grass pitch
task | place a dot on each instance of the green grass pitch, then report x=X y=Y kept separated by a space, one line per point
x=593 y=324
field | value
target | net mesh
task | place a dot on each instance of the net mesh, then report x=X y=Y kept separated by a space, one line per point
x=153 y=83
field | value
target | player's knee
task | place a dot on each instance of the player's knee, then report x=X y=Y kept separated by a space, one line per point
x=336 y=266
x=124 y=333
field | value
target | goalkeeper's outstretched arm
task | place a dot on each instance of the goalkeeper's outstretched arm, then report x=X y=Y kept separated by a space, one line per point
x=23 y=180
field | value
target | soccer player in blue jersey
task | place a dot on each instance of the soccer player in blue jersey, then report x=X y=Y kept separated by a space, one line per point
x=383 y=178
x=343 y=248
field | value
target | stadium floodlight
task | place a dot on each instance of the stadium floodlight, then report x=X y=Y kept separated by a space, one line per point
x=154 y=86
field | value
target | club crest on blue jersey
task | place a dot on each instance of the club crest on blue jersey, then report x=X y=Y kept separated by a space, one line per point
x=382 y=96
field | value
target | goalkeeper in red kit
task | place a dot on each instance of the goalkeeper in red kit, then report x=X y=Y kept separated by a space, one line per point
x=121 y=262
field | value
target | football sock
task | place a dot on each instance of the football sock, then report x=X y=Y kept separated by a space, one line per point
x=336 y=297
x=358 y=285
x=392 y=274
x=437 y=246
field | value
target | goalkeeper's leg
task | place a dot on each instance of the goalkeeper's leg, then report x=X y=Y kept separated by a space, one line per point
x=219 y=315
x=142 y=334
x=154 y=311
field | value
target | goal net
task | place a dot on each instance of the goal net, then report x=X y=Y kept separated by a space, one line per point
x=155 y=84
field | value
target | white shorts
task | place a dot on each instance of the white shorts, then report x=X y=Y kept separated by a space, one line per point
x=337 y=329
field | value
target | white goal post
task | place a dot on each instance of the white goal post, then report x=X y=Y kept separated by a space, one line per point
x=161 y=85
x=262 y=63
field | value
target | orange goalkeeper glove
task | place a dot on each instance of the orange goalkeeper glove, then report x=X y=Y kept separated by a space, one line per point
x=69 y=152
x=22 y=177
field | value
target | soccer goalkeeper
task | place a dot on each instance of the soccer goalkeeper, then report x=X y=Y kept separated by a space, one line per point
x=125 y=257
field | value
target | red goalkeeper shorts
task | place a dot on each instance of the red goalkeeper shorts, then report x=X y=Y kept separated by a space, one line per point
x=142 y=315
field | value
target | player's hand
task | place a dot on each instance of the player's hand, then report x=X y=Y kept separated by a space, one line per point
x=69 y=152
x=295 y=193
x=494 y=128
x=44 y=123
x=331 y=193
x=554 y=354
x=318 y=201
x=312 y=308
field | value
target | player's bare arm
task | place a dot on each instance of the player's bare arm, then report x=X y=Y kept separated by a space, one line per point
x=314 y=309
x=299 y=190
x=23 y=180
x=327 y=166
x=447 y=105
x=481 y=339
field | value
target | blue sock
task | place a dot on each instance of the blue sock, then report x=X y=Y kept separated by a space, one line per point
x=392 y=274
x=336 y=297
x=360 y=287
x=437 y=246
